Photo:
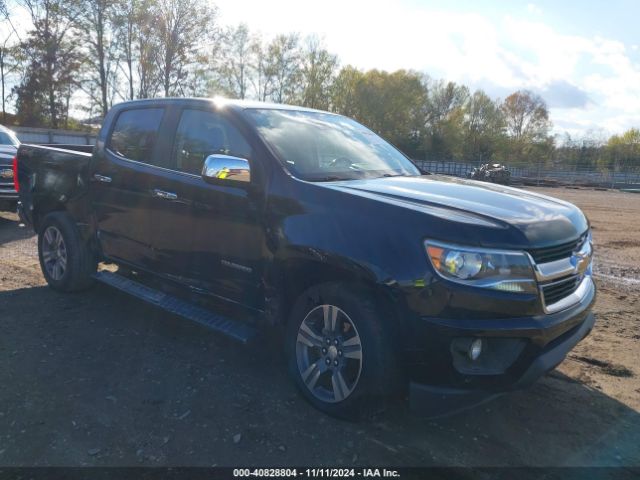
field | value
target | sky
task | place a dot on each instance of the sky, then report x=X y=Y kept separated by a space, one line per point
x=582 y=57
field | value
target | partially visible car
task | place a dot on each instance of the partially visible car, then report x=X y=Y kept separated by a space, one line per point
x=9 y=144
x=494 y=173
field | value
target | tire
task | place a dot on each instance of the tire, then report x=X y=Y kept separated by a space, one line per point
x=66 y=260
x=367 y=383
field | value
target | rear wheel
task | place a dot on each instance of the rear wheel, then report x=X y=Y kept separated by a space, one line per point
x=338 y=354
x=67 y=261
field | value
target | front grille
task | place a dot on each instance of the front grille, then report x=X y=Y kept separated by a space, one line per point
x=557 y=252
x=7 y=190
x=556 y=291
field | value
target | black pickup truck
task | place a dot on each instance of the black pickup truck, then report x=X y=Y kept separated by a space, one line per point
x=8 y=147
x=382 y=279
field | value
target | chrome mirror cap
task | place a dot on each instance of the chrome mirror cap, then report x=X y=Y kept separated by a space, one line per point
x=226 y=167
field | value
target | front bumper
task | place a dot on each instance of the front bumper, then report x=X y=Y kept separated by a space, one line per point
x=8 y=194
x=519 y=351
x=436 y=401
x=8 y=201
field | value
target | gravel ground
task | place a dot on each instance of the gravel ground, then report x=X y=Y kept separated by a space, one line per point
x=101 y=379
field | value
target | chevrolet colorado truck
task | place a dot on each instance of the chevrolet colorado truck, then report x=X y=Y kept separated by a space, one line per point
x=382 y=279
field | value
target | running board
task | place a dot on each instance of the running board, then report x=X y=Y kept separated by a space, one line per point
x=232 y=328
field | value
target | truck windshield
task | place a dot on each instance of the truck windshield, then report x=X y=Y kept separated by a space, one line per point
x=318 y=146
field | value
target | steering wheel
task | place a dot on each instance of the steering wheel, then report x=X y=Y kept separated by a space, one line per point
x=341 y=162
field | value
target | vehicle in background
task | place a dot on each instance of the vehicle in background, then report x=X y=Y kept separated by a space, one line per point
x=494 y=173
x=9 y=144
x=242 y=215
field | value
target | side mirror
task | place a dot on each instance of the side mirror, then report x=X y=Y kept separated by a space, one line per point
x=226 y=167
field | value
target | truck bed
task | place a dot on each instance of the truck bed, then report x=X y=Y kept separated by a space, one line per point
x=51 y=176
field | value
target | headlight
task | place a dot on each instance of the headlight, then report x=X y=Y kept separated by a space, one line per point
x=495 y=269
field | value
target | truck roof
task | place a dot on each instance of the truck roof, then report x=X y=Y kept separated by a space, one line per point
x=221 y=101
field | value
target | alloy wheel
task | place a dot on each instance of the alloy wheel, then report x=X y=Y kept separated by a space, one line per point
x=54 y=253
x=329 y=353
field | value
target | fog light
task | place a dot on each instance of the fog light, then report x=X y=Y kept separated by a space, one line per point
x=475 y=349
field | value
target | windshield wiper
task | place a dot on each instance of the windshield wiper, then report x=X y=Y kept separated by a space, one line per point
x=394 y=175
x=331 y=178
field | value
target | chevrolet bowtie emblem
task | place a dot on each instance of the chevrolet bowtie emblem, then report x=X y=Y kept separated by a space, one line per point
x=6 y=173
x=581 y=259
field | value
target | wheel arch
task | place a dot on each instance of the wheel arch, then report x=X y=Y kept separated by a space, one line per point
x=45 y=209
x=292 y=274
x=77 y=212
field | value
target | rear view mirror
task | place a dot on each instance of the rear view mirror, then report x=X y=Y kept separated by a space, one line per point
x=226 y=167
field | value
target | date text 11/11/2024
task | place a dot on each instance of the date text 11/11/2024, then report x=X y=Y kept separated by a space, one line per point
x=316 y=472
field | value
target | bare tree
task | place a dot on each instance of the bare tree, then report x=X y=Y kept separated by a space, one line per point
x=283 y=65
x=9 y=63
x=136 y=24
x=10 y=59
x=54 y=57
x=183 y=28
x=147 y=47
x=318 y=73
x=97 y=23
x=261 y=77
x=233 y=61
x=126 y=23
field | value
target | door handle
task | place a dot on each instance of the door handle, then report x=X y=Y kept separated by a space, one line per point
x=102 y=178
x=164 y=195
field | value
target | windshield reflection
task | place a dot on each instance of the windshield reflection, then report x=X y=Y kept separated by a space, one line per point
x=319 y=146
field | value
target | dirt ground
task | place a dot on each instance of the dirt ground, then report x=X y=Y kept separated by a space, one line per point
x=101 y=379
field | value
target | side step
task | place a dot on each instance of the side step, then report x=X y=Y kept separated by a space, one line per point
x=232 y=328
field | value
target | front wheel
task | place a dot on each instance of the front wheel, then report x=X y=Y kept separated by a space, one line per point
x=67 y=260
x=338 y=353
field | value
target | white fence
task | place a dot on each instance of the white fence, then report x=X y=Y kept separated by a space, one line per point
x=542 y=176
x=48 y=136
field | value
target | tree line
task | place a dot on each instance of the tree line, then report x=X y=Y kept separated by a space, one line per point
x=86 y=55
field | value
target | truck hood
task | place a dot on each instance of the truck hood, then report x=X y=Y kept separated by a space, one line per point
x=541 y=219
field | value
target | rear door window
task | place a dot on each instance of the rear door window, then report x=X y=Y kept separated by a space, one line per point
x=135 y=134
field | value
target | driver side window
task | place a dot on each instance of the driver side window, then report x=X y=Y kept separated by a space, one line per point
x=200 y=134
